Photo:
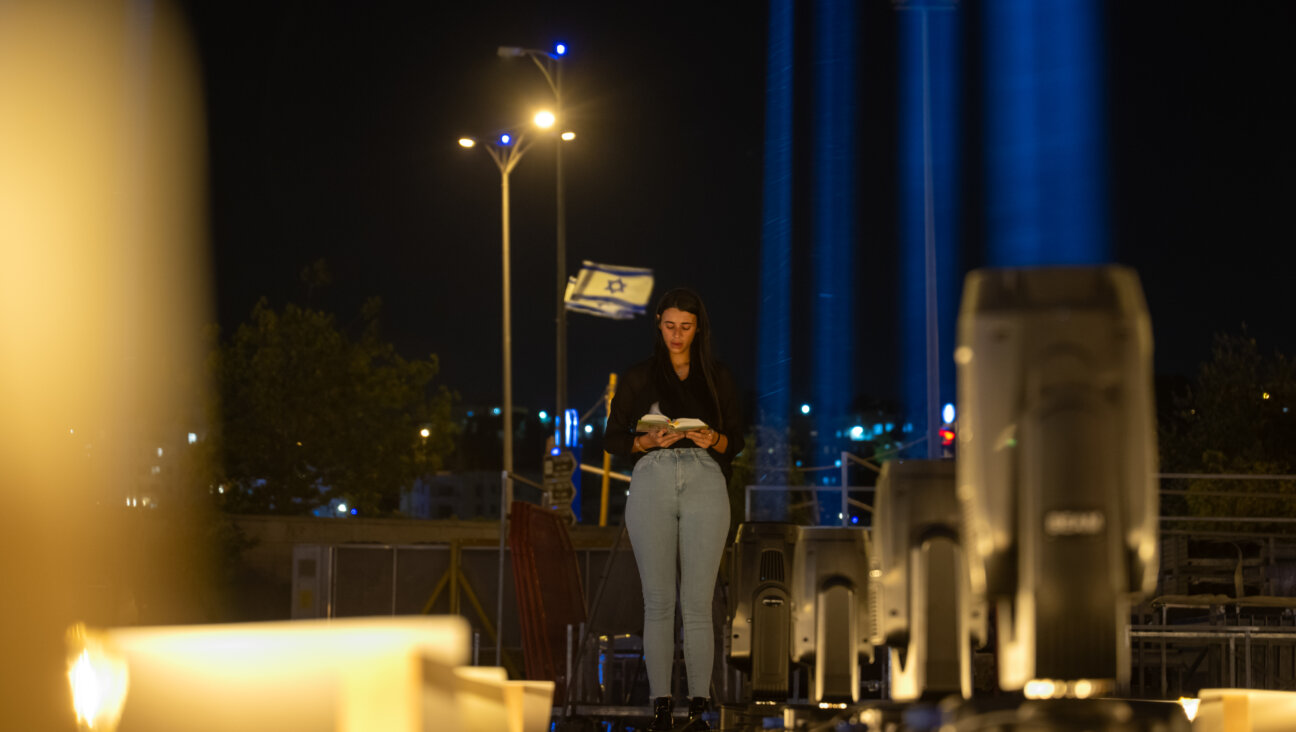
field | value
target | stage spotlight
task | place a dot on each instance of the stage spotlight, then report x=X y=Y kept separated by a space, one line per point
x=926 y=612
x=831 y=612
x=760 y=606
x=1057 y=464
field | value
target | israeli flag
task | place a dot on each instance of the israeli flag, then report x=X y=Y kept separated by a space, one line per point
x=610 y=291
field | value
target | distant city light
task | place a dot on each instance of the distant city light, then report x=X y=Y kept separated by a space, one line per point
x=342 y=508
x=505 y=139
x=555 y=451
x=568 y=136
x=948 y=414
x=470 y=413
x=425 y=432
x=857 y=432
x=496 y=411
x=354 y=512
x=837 y=463
x=71 y=431
x=544 y=416
x=805 y=408
x=854 y=519
x=1265 y=395
x=589 y=429
x=908 y=427
x=877 y=428
x=193 y=437
x=889 y=426
x=560 y=49
x=159 y=452
x=798 y=463
x=467 y=142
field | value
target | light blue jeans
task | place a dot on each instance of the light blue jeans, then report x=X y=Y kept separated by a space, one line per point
x=678 y=508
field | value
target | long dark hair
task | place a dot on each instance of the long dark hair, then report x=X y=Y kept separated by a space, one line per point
x=682 y=298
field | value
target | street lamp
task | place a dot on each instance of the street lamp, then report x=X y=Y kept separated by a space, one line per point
x=506 y=149
x=548 y=63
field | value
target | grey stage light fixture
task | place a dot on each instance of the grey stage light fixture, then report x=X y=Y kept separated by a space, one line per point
x=1057 y=468
x=831 y=610
x=926 y=612
x=760 y=607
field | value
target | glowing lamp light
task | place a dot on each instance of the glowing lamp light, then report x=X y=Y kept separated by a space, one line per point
x=193 y=437
x=467 y=142
x=1190 y=707
x=857 y=432
x=947 y=414
x=543 y=415
x=805 y=408
x=425 y=433
x=99 y=681
x=342 y=508
x=555 y=451
x=589 y=429
x=506 y=139
x=1039 y=689
x=496 y=411
x=560 y=49
x=544 y=118
x=355 y=512
x=568 y=136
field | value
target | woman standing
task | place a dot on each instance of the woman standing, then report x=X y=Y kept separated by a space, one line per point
x=679 y=501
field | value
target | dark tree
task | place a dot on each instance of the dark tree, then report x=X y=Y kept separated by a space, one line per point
x=1238 y=416
x=308 y=414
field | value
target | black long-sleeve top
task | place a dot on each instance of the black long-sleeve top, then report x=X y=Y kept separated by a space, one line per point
x=642 y=386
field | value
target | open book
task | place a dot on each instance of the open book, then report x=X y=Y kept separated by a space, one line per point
x=655 y=422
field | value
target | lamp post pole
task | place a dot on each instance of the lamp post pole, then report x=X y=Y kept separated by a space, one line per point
x=506 y=151
x=549 y=66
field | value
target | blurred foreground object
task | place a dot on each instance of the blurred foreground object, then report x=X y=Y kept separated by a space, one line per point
x=1245 y=710
x=102 y=300
x=355 y=675
x=1057 y=468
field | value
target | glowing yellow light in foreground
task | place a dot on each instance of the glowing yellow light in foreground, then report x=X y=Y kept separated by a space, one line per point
x=467 y=142
x=1039 y=689
x=544 y=119
x=99 y=683
x=1189 y=706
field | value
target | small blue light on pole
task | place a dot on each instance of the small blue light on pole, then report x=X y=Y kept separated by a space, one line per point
x=805 y=408
x=560 y=49
x=948 y=414
x=506 y=139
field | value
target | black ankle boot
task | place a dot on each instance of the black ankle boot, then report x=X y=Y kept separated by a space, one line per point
x=662 y=721
x=697 y=705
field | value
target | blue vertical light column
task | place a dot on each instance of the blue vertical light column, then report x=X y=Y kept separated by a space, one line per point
x=774 y=360
x=929 y=109
x=832 y=223
x=1045 y=145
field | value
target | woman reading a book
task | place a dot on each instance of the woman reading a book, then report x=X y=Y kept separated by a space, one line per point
x=677 y=416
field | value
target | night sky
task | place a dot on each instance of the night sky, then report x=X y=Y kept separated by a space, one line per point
x=333 y=131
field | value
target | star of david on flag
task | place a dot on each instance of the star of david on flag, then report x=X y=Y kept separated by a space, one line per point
x=609 y=290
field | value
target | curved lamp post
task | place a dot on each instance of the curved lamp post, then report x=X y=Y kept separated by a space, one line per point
x=549 y=64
